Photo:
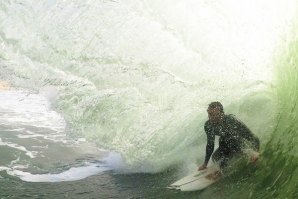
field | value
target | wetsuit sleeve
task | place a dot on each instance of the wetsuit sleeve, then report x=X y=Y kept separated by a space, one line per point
x=248 y=135
x=210 y=143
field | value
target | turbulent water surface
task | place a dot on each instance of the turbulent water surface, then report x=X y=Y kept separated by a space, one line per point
x=107 y=99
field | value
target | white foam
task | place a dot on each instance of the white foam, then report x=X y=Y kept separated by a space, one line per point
x=3 y=168
x=50 y=92
x=27 y=108
x=17 y=129
x=73 y=174
x=114 y=160
x=54 y=137
x=31 y=154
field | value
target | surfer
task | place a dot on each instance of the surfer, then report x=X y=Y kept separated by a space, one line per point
x=234 y=137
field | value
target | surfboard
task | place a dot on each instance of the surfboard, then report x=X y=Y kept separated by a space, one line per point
x=196 y=180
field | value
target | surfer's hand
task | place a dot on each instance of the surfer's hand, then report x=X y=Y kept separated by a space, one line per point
x=202 y=167
x=254 y=157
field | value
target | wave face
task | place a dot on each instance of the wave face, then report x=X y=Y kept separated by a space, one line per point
x=281 y=150
x=136 y=77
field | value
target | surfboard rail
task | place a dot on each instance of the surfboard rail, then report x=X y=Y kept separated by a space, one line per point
x=196 y=180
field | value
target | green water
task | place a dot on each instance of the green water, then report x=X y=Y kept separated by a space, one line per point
x=135 y=78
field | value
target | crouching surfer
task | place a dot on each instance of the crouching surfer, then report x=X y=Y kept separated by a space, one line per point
x=234 y=136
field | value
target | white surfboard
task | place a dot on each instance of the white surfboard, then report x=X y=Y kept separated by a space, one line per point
x=195 y=181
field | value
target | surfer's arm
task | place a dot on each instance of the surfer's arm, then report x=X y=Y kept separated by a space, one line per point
x=209 y=148
x=210 y=144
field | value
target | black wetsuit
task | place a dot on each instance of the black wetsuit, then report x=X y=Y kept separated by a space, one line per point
x=234 y=135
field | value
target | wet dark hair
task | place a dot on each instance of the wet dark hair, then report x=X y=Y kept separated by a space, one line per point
x=218 y=105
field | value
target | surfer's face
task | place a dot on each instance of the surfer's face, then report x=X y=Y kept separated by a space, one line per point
x=214 y=115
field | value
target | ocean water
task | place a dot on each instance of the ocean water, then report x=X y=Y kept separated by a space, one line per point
x=107 y=99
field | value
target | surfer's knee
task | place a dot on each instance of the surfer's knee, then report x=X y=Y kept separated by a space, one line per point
x=223 y=163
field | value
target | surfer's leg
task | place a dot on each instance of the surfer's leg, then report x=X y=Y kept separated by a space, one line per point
x=217 y=155
x=228 y=155
x=224 y=162
x=220 y=158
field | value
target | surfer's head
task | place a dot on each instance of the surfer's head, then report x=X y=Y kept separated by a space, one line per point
x=215 y=112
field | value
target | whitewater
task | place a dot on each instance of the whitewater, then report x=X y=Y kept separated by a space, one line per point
x=122 y=88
